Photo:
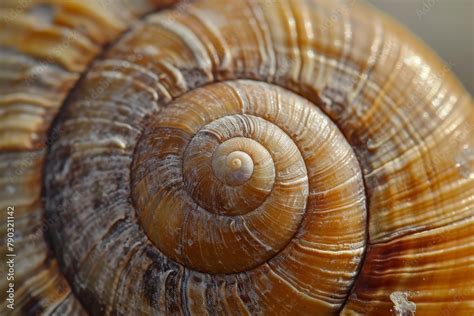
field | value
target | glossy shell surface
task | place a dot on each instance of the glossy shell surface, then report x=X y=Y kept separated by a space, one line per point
x=233 y=157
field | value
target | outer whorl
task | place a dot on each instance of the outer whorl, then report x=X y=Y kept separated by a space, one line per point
x=234 y=157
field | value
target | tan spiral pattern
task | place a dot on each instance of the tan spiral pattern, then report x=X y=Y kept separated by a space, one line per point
x=280 y=231
x=213 y=225
x=287 y=157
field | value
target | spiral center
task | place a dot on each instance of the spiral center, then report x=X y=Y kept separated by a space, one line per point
x=235 y=164
x=227 y=175
x=233 y=169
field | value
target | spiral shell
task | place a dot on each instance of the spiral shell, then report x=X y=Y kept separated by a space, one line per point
x=298 y=157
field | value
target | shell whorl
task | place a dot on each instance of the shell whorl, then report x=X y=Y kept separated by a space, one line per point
x=212 y=224
x=236 y=157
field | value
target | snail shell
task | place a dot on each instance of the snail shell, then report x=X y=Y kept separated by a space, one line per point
x=245 y=157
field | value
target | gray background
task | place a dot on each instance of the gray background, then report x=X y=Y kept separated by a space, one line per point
x=447 y=26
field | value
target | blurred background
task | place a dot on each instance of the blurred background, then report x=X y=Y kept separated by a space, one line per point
x=447 y=26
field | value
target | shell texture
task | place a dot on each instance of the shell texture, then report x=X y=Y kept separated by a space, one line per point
x=284 y=157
